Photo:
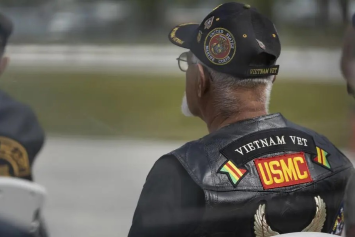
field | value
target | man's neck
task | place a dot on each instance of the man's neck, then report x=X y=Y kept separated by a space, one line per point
x=218 y=122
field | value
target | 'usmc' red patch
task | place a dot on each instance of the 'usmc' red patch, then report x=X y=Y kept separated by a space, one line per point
x=283 y=171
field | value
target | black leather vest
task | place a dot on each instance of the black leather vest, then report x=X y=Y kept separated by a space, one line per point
x=244 y=205
x=350 y=207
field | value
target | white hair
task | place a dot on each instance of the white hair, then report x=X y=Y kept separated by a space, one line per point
x=185 y=107
x=225 y=85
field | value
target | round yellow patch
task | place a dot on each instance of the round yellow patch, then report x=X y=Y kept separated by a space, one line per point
x=13 y=158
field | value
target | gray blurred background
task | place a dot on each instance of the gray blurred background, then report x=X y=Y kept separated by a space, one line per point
x=103 y=80
x=305 y=22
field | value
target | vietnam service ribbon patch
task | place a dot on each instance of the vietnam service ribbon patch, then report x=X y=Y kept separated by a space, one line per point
x=234 y=173
x=322 y=159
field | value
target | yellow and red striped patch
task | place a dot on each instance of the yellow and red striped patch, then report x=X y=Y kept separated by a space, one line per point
x=234 y=173
x=321 y=158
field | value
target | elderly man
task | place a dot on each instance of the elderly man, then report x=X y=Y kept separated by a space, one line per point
x=350 y=208
x=255 y=174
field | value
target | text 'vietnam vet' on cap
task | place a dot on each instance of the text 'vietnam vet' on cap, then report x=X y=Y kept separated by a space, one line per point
x=234 y=39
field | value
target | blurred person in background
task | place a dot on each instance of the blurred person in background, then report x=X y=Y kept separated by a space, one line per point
x=348 y=70
x=21 y=136
x=255 y=174
x=350 y=208
x=9 y=230
x=348 y=56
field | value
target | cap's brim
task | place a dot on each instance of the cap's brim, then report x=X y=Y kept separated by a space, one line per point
x=182 y=35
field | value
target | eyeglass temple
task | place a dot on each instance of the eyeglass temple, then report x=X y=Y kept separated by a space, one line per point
x=179 y=59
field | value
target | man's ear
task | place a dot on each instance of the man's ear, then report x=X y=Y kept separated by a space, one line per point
x=203 y=81
x=4 y=61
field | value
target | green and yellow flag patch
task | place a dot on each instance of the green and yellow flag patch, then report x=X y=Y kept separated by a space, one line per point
x=234 y=173
x=321 y=158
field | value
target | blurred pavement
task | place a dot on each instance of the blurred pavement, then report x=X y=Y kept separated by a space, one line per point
x=94 y=185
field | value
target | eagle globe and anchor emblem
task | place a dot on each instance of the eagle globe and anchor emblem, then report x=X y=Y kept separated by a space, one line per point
x=220 y=47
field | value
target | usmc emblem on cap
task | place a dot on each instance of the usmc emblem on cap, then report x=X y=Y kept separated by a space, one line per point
x=220 y=46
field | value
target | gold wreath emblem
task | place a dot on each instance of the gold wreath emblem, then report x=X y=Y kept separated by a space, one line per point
x=263 y=229
x=15 y=157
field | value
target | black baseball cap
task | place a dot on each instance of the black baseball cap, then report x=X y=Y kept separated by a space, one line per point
x=234 y=39
x=6 y=28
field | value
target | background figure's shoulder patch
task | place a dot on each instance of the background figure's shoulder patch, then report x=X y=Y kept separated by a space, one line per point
x=13 y=158
x=339 y=222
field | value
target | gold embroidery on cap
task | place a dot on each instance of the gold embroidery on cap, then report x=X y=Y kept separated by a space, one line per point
x=173 y=33
x=174 y=38
x=217 y=7
x=190 y=23
x=199 y=36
